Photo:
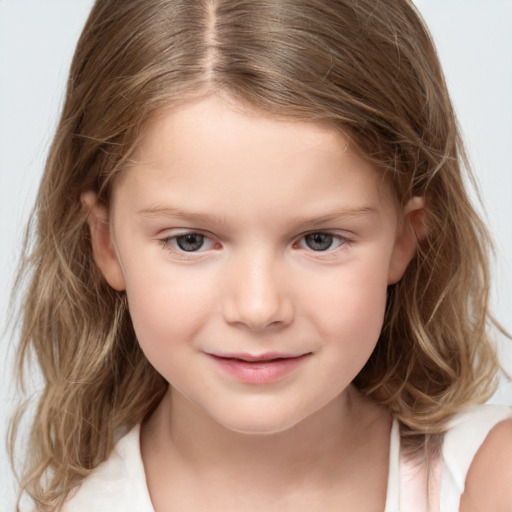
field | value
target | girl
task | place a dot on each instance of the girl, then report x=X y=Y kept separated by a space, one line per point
x=257 y=282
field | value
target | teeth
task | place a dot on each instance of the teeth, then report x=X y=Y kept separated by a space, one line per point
x=261 y=360
x=252 y=360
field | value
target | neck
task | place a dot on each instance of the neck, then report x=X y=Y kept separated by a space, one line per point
x=326 y=446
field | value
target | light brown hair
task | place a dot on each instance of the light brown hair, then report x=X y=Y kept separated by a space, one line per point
x=367 y=68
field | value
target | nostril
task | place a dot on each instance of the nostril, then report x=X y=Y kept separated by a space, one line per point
x=256 y=295
x=257 y=318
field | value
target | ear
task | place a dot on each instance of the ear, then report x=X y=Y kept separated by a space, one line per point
x=411 y=229
x=103 y=250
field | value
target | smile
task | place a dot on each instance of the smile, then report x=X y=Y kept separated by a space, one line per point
x=261 y=369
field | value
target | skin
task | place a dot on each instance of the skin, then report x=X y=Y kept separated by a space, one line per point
x=488 y=483
x=256 y=194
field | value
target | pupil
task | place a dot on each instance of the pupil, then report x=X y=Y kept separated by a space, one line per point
x=319 y=241
x=190 y=242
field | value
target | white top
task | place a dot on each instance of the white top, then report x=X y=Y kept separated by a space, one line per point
x=119 y=483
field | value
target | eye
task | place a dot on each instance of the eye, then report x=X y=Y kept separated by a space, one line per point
x=321 y=241
x=188 y=242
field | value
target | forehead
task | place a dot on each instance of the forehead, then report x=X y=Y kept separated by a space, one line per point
x=249 y=156
x=222 y=120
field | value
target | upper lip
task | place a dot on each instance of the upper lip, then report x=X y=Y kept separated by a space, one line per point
x=267 y=356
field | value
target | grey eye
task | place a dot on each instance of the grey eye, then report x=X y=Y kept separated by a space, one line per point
x=190 y=242
x=319 y=241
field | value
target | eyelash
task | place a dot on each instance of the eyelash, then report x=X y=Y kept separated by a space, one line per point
x=171 y=243
x=341 y=241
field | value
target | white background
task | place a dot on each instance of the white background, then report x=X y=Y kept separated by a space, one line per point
x=37 y=38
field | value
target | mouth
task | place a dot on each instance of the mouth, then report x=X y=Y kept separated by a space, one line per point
x=258 y=369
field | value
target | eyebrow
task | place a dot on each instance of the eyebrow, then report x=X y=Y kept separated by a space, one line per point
x=156 y=211
x=356 y=212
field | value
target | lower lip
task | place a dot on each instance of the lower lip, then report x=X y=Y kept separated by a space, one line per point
x=258 y=372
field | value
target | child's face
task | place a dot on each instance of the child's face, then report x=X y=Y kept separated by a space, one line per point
x=240 y=239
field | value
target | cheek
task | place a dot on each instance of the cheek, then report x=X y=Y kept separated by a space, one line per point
x=350 y=311
x=166 y=308
x=350 y=327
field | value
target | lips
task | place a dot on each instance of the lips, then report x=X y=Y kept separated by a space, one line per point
x=258 y=369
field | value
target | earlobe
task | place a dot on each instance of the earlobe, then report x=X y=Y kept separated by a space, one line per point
x=412 y=229
x=103 y=251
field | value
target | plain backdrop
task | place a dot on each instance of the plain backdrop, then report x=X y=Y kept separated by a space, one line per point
x=37 y=38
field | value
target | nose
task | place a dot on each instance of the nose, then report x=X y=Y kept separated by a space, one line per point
x=257 y=294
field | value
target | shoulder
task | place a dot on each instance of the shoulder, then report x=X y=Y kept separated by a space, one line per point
x=488 y=483
x=477 y=444
x=117 y=484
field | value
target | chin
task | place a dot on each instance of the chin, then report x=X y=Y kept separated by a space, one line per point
x=259 y=429
x=264 y=423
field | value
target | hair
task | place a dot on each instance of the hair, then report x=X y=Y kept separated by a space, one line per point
x=367 y=68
